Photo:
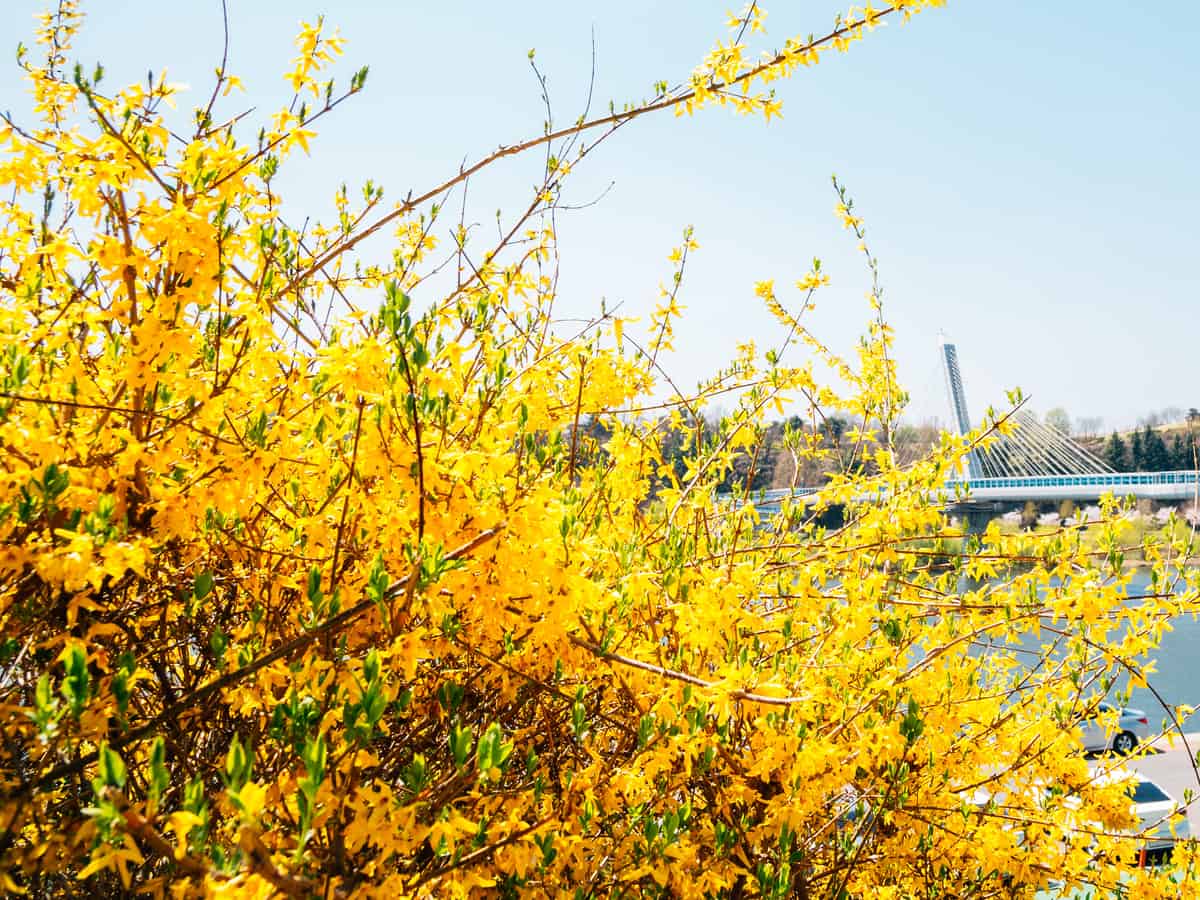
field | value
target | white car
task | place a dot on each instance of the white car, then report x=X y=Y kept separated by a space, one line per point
x=1099 y=734
x=1162 y=821
x=1157 y=811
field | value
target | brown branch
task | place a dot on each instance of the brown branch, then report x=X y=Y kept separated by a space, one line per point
x=613 y=119
x=480 y=854
x=261 y=864
x=90 y=96
x=337 y=543
x=203 y=121
x=172 y=711
x=737 y=694
x=575 y=426
x=140 y=828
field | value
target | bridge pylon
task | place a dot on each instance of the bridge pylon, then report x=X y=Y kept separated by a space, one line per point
x=1032 y=449
x=958 y=398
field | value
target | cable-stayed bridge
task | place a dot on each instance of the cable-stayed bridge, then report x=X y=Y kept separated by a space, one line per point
x=1037 y=462
x=1034 y=462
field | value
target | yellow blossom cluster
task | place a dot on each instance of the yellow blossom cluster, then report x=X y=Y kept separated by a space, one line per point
x=324 y=576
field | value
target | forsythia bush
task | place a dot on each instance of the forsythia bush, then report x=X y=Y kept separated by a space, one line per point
x=318 y=579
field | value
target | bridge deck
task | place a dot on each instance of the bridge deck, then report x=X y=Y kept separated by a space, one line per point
x=1183 y=485
x=1149 y=485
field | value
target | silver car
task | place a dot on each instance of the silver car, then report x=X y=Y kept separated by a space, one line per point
x=1099 y=734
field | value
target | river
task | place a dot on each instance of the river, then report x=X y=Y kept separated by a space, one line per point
x=1177 y=679
x=1177 y=676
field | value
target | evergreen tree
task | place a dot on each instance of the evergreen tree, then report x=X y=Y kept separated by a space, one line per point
x=1137 y=455
x=1181 y=453
x=1154 y=451
x=1116 y=454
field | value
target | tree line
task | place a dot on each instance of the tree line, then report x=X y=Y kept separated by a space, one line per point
x=1148 y=451
x=775 y=460
x=787 y=451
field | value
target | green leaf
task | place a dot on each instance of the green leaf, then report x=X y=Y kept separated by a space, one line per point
x=578 y=719
x=461 y=740
x=420 y=355
x=313 y=756
x=75 y=686
x=911 y=725
x=46 y=711
x=203 y=585
x=238 y=765
x=377 y=582
x=193 y=797
x=160 y=778
x=112 y=767
x=492 y=750
x=645 y=730
x=315 y=597
x=54 y=481
x=416 y=773
x=371 y=666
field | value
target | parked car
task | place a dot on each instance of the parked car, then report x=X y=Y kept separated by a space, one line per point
x=1132 y=728
x=1161 y=820
x=1157 y=812
x=1056 y=890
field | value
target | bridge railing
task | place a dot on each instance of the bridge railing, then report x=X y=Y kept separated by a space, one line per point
x=1114 y=480
x=1118 y=483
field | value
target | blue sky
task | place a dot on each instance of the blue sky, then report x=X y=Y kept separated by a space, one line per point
x=1026 y=169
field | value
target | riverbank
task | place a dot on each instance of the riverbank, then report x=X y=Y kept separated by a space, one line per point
x=1162 y=525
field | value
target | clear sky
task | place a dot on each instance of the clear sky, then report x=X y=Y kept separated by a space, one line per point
x=1026 y=169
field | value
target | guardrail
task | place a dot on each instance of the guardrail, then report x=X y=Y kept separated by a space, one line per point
x=1111 y=480
x=1176 y=485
